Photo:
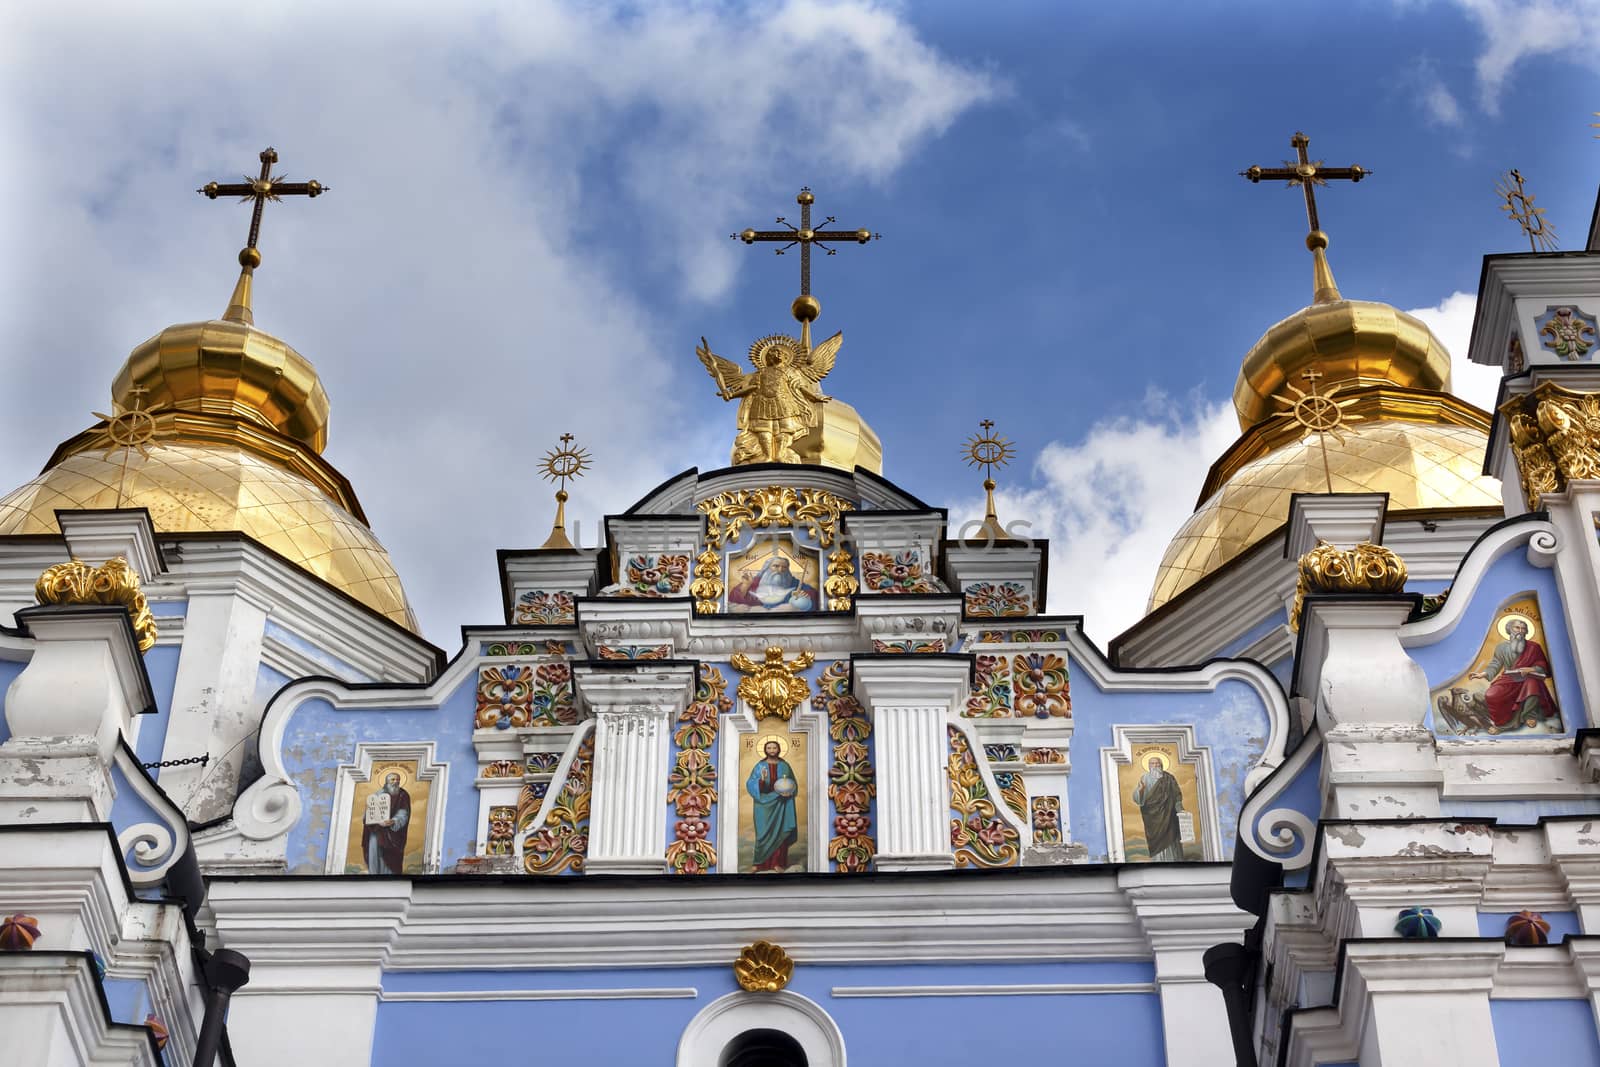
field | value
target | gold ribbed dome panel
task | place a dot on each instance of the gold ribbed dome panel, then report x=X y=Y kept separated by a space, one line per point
x=841 y=439
x=1350 y=343
x=228 y=368
x=1419 y=466
x=192 y=487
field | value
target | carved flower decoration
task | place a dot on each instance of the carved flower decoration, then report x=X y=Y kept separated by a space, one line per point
x=693 y=830
x=850 y=825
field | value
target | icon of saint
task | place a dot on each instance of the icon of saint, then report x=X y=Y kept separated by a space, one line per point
x=773 y=787
x=383 y=833
x=1159 y=801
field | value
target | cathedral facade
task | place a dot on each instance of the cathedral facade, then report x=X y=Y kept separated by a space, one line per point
x=791 y=770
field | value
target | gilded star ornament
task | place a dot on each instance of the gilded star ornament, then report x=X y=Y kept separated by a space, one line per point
x=1318 y=412
x=132 y=431
x=773 y=688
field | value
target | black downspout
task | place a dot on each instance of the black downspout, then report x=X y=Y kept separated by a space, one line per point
x=1229 y=967
x=226 y=971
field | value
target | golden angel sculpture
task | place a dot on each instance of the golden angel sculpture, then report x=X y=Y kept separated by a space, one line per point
x=780 y=400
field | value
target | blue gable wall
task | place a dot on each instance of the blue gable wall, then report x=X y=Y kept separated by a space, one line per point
x=1537 y=1033
x=1088 y=1028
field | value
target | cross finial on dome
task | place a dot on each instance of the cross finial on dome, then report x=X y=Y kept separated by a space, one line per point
x=561 y=465
x=266 y=186
x=989 y=450
x=1308 y=173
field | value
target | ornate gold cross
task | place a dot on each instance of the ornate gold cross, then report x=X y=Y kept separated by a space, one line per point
x=267 y=186
x=804 y=236
x=1519 y=205
x=1306 y=173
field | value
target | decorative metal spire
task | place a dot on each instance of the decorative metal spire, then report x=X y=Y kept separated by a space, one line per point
x=806 y=307
x=1308 y=173
x=562 y=465
x=989 y=450
x=1319 y=413
x=131 y=431
x=1518 y=204
x=267 y=186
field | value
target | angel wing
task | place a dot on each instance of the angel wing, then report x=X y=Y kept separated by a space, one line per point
x=727 y=374
x=822 y=358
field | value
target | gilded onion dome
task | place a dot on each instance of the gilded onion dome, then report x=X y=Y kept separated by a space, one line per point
x=239 y=422
x=1400 y=431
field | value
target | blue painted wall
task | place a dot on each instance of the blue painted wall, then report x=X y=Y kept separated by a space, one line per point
x=8 y=674
x=1538 y=1033
x=335 y=666
x=1121 y=1028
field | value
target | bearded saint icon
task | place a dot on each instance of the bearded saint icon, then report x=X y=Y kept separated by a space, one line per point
x=780 y=400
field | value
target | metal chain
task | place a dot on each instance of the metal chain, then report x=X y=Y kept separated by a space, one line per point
x=202 y=760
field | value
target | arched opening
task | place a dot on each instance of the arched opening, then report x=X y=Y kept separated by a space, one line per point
x=763 y=1048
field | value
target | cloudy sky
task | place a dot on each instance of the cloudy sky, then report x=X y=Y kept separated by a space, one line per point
x=527 y=232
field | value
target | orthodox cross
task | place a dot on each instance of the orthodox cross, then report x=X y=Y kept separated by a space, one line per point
x=1319 y=413
x=132 y=430
x=804 y=236
x=1519 y=205
x=267 y=186
x=1306 y=173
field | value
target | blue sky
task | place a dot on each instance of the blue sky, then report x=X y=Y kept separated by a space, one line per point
x=527 y=232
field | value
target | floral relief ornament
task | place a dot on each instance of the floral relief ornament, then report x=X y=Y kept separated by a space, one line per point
x=1555 y=436
x=545 y=607
x=979 y=836
x=692 y=783
x=997 y=600
x=851 y=784
x=1568 y=333
x=1366 y=568
x=113 y=582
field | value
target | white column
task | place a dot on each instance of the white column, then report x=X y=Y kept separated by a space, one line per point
x=1381 y=762
x=316 y=965
x=910 y=700
x=1184 y=911
x=65 y=711
x=213 y=698
x=634 y=708
x=1425 y=1001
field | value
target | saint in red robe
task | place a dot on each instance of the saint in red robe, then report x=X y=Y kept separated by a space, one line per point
x=1518 y=678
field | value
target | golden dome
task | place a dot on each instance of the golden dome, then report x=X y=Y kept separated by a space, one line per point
x=1420 y=466
x=1396 y=430
x=240 y=419
x=842 y=439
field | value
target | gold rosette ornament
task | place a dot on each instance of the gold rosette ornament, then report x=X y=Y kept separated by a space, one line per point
x=763 y=968
x=113 y=582
x=1366 y=568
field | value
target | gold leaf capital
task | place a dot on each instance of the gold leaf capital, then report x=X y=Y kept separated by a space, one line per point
x=1555 y=437
x=763 y=968
x=113 y=582
x=1366 y=568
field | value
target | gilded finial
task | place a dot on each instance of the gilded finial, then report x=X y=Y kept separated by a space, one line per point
x=1318 y=412
x=266 y=186
x=1308 y=173
x=1518 y=204
x=562 y=465
x=989 y=450
x=131 y=431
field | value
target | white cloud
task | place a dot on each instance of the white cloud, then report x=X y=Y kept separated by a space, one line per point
x=1111 y=501
x=1439 y=103
x=1515 y=30
x=458 y=289
x=1451 y=321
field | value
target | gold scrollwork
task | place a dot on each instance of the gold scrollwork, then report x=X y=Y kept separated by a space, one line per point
x=113 y=582
x=1555 y=436
x=1366 y=568
x=763 y=968
x=729 y=512
x=842 y=583
x=773 y=688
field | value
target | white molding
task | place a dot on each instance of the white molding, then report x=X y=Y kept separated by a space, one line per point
x=1285 y=826
x=1542 y=541
x=457 y=995
x=708 y=1034
x=350 y=775
x=742 y=722
x=1039 y=990
x=1120 y=754
x=156 y=846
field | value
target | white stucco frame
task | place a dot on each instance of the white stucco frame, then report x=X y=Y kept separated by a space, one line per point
x=742 y=722
x=725 y=1018
x=350 y=775
x=1120 y=754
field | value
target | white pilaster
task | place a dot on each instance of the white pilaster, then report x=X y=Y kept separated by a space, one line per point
x=1426 y=1001
x=634 y=708
x=910 y=700
x=1370 y=701
x=1184 y=911
x=65 y=712
x=214 y=704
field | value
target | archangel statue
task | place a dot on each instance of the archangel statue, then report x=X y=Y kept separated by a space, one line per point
x=780 y=400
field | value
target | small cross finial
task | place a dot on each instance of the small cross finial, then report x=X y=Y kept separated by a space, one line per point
x=806 y=307
x=989 y=450
x=258 y=190
x=131 y=431
x=1308 y=173
x=1518 y=204
x=562 y=465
